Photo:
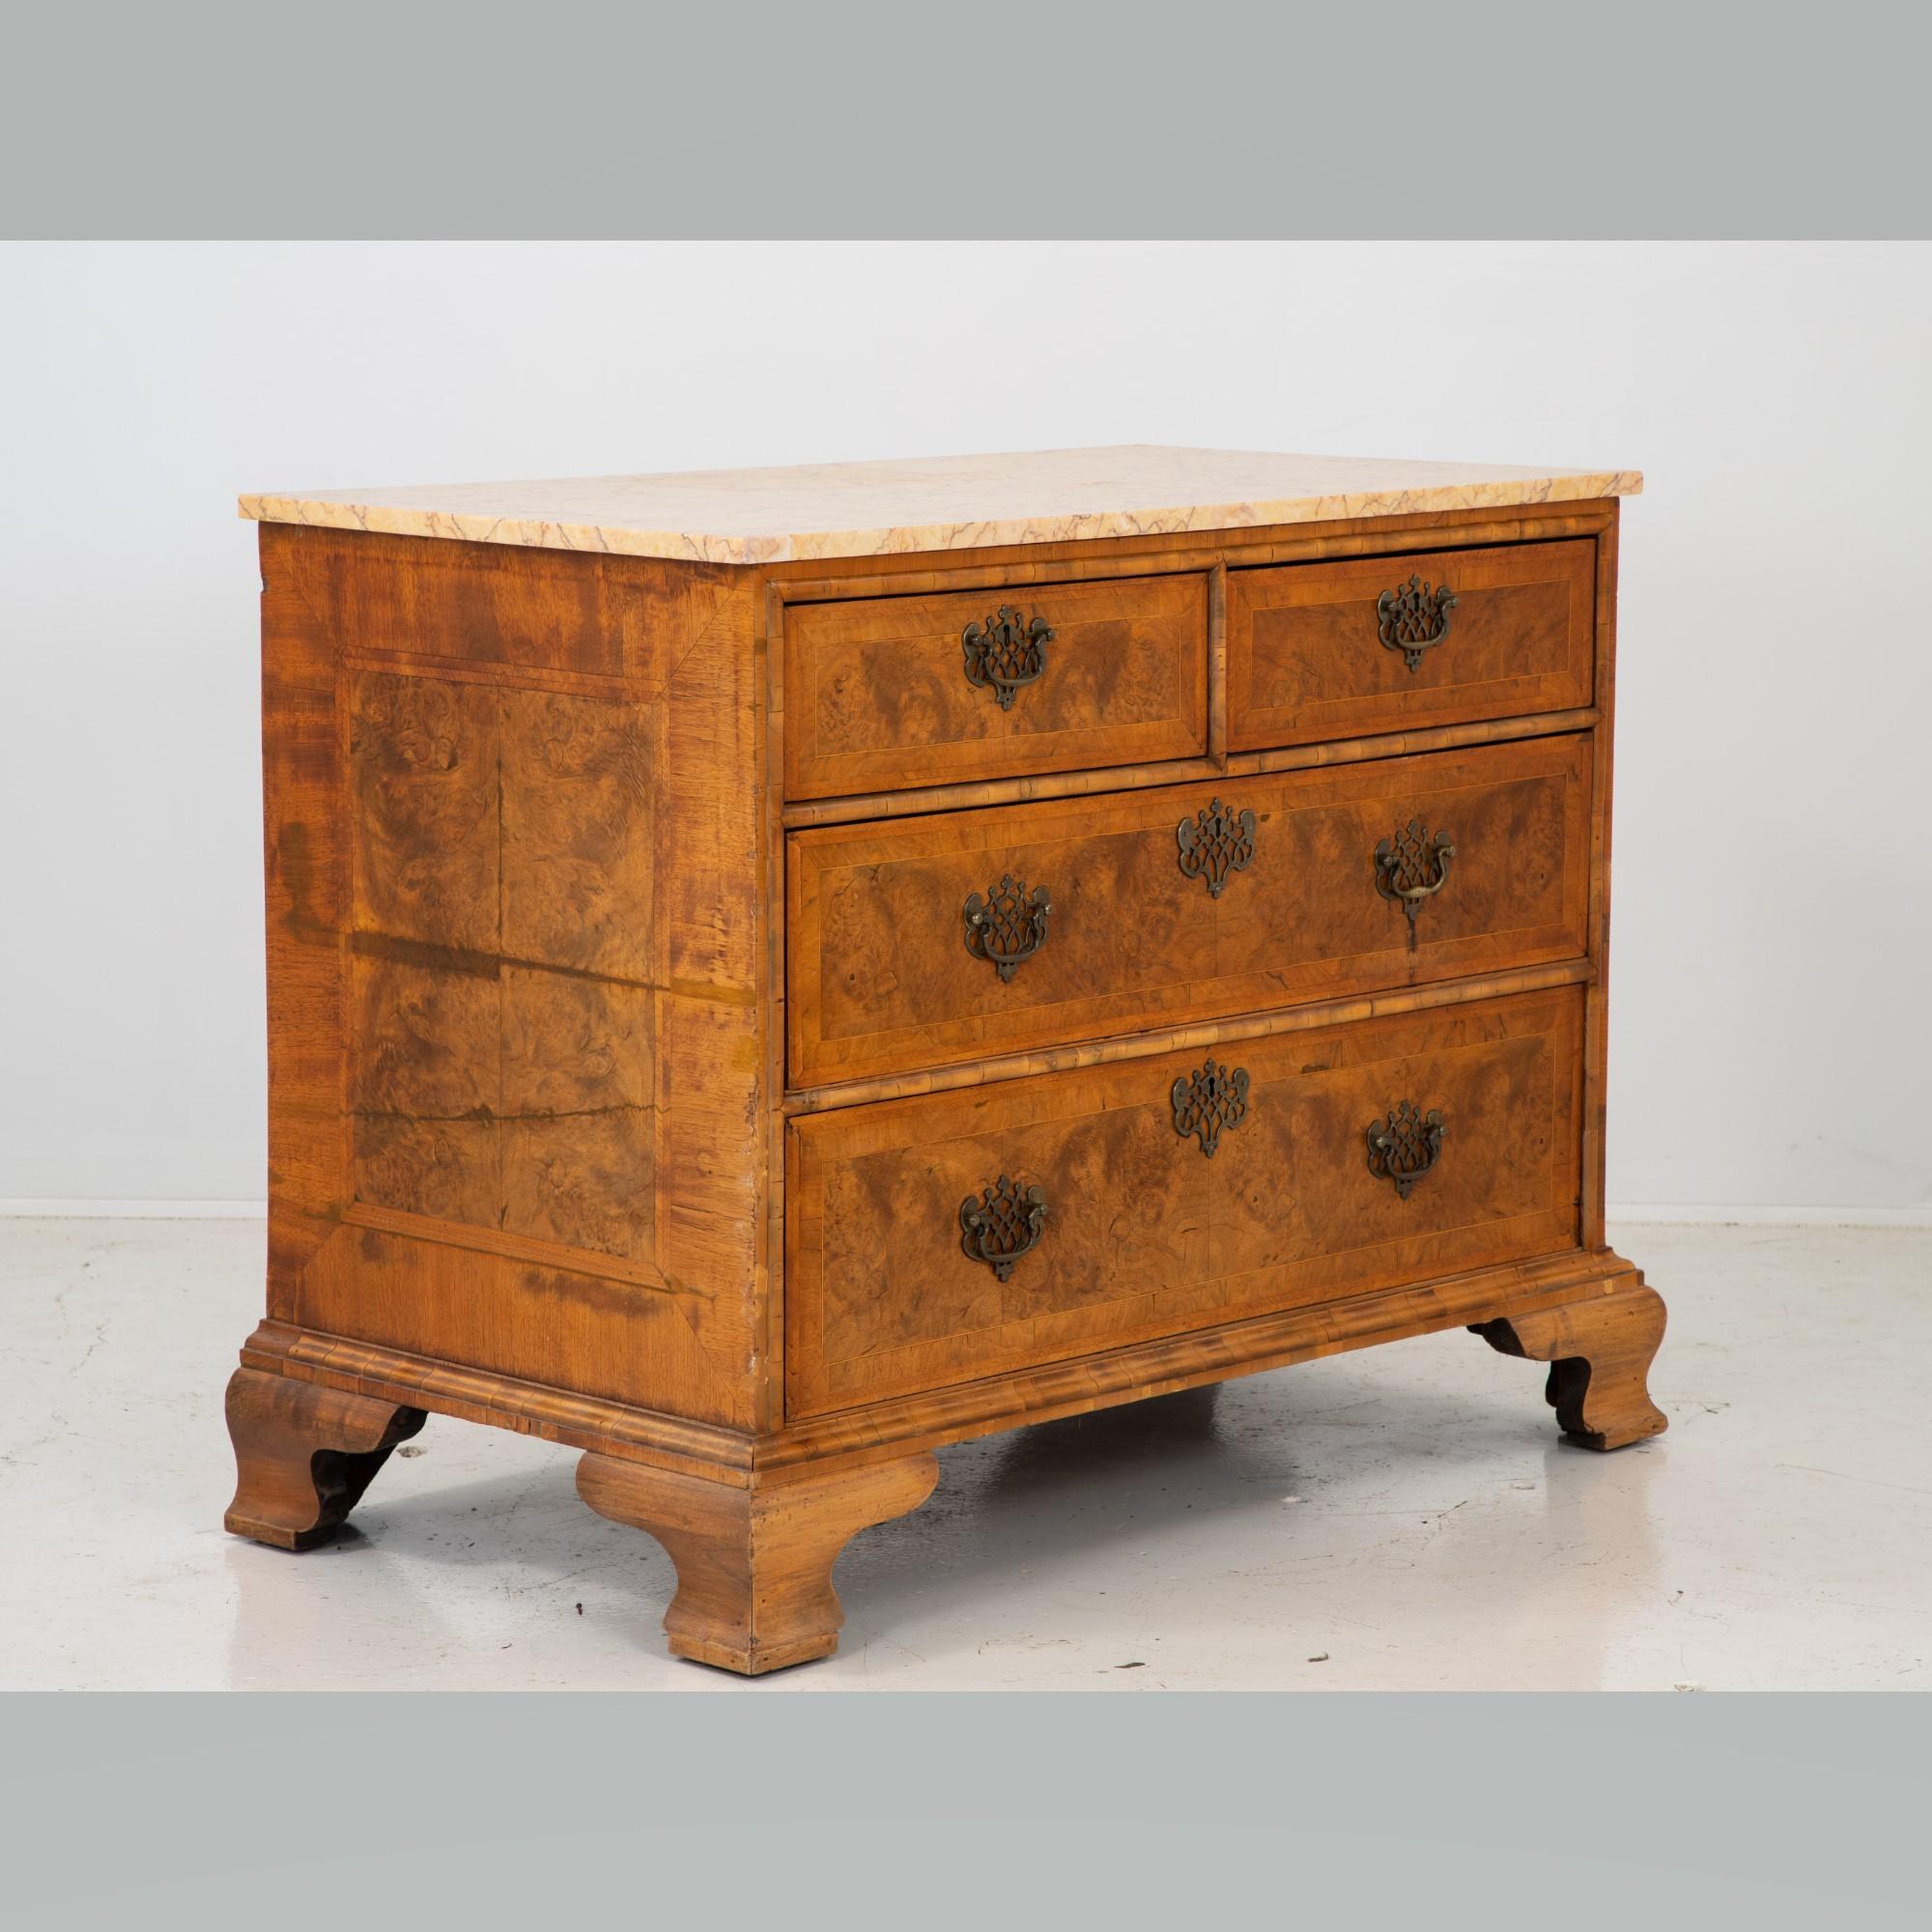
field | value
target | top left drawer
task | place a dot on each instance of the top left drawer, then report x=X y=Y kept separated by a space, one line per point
x=889 y=691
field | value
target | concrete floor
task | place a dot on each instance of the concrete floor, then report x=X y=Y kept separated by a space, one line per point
x=1400 y=1519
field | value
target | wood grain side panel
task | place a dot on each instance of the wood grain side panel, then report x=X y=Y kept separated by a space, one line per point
x=1145 y=1236
x=513 y=978
x=876 y=692
x=501 y=1049
x=1305 y=661
x=881 y=981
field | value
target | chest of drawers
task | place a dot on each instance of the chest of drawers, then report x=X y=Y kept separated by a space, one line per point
x=772 y=973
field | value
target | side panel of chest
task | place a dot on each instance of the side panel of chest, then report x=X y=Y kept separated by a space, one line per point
x=511 y=797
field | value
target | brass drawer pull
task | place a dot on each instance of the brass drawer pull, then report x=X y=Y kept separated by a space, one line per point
x=1412 y=866
x=1205 y=1102
x=1214 y=843
x=1000 y=1224
x=1415 y=618
x=1403 y=1147
x=1005 y=652
x=1007 y=925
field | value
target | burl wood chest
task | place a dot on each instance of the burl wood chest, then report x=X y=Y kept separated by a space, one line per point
x=773 y=972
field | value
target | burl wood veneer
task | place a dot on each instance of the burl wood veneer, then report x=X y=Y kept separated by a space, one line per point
x=772 y=973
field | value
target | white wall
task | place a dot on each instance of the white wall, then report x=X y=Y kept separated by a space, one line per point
x=1774 y=845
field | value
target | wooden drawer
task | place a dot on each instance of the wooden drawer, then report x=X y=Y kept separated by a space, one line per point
x=1144 y=1233
x=1307 y=658
x=887 y=975
x=881 y=692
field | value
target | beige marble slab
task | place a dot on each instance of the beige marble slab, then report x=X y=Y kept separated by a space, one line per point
x=934 y=503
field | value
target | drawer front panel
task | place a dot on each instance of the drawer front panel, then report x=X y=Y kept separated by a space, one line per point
x=1343 y=650
x=890 y=692
x=1330 y=882
x=936 y=1241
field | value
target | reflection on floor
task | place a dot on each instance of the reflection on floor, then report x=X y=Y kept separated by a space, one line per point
x=1403 y=1517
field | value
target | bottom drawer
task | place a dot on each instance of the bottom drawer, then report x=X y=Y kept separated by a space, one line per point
x=936 y=1241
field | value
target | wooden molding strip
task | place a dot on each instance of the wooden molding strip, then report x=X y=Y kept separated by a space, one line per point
x=1202 y=1032
x=481 y=1395
x=928 y=572
x=1179 y=771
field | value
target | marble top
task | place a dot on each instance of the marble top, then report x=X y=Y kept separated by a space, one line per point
x=934 y=503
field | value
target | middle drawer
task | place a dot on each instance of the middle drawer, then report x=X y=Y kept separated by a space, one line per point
x=934 y=940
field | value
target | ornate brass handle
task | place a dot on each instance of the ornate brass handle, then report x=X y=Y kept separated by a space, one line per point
x=1214 y=843
x=1207 y=1102
x=1413 y=619
x=1005 y=652
x=1403 y=1147
x=1007 y=925
x=1000 y=1223
x=1412 y=866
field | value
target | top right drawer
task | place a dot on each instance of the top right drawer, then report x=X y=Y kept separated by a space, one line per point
x=1397 y=643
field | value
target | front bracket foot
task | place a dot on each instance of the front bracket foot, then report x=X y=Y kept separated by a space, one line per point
x=754 y=1563
x=303 y=1455
x=1598 y=1352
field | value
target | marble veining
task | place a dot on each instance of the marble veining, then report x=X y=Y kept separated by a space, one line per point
x=933 y=503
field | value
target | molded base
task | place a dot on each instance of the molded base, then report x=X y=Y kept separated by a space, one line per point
x=754 y=1524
